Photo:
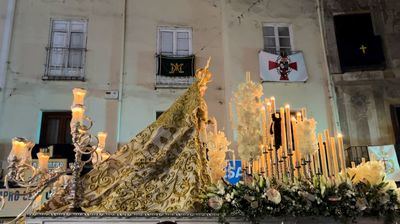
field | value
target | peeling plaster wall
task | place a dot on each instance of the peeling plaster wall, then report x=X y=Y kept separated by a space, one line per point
x=244 y=38
x=364 y=97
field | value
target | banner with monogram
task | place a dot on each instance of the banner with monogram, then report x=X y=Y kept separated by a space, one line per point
x=175 y=66
x=387 y=154
x=282 y=68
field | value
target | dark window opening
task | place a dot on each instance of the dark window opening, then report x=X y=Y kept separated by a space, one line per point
x=359 y=48
x=55 y=128
x=55 y=131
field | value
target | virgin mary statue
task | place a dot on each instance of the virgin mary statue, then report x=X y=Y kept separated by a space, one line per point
x=162 y=169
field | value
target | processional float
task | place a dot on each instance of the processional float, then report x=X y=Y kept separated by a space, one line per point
x=276 y=144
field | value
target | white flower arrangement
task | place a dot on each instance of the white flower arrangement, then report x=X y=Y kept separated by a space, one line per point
x=247 y=101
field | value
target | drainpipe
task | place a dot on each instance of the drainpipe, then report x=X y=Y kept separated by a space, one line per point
x=121 y=75
x=331 y=91
x=5 y=45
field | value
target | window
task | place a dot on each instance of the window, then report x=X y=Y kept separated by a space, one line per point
x=66 y=50
x=55 y=131
x=277 y=38
x=55 y=128
x=358 y=47
x=174 y=41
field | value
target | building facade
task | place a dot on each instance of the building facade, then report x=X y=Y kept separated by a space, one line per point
x=110 y=47
x=364 y=61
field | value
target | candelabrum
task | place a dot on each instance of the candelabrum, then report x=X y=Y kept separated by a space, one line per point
x=87 y=147
x=22 y=173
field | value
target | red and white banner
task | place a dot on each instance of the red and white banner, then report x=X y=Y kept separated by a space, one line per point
x=277 y=68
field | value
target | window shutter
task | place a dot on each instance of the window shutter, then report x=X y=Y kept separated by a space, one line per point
x=182 y=43
x=59 y=45
x=167 y=39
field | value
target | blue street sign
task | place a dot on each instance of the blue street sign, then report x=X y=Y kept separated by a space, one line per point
x=234 y=172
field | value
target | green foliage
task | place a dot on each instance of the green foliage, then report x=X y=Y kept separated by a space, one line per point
x=338 y=198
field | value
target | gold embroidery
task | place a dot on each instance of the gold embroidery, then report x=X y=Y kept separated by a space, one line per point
x=162 y=169
x=175 y=67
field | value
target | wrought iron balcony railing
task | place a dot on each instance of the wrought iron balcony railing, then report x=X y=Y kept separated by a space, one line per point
x=65 y=64
x=174 y=71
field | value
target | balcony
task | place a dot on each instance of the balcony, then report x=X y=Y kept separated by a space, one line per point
x=361 y=54
x=174 y=72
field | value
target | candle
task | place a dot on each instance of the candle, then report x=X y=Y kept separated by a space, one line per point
x=312 y=162
x=296 y=141
x=272 y=100
x=102 y=139
x=78 y=112
x=255 y=163
x=79 y=96
x=304 y=113
x=283 y=130
x=288 y=128
x=317 y=163
x=269 y=106
x=248 y=79
x=43 y=158
x=298 y=116
x=327 y=145
x=244 y=167
x=268 y=118
x=323 y=155
x=264 y=131
x=341 y=152
x=334 y=155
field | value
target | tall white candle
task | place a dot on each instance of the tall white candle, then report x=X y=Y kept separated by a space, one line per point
x=323 y=156
x=283 y=130
x=304 y=113
x=329 y=158
x=341 y=152
x=334 y=156
x=248 y=79
x=273 y=106
x=264 y=131
x=288 y=127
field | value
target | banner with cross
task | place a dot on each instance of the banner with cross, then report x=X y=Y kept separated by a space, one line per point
x=282 y=68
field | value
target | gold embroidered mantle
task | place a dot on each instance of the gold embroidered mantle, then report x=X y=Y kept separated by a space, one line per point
x=162 y=169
